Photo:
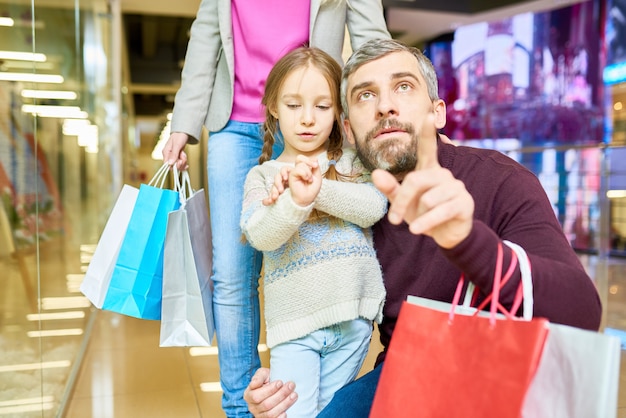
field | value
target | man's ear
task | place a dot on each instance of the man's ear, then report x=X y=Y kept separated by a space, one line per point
x=440 y=113
x=348 y=131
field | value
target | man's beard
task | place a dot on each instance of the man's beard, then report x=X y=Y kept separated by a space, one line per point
x=391 y=154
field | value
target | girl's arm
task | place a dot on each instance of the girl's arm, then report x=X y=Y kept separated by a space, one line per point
x=268 y=227
x=357 y=201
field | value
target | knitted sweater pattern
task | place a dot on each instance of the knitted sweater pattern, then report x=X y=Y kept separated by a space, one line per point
x=319 y=270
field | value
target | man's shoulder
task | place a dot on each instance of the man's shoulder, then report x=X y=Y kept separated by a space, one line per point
x=480 y=158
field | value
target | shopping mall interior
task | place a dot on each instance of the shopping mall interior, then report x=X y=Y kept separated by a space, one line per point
x=86 y=90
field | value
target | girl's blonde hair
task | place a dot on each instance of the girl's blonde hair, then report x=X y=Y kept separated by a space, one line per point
x=330 y=69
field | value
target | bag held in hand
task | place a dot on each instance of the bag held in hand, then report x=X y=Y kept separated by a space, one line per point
x=443 y=364
x=95 y=284
x=578 y=374
x=187 y=309
x=137 y=279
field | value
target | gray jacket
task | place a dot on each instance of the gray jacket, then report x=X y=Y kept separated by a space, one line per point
x=206 y=93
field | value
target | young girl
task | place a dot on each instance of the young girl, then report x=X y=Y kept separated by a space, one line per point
x=322 y=282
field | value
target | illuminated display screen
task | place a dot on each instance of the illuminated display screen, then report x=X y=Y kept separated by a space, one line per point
x=534 y=78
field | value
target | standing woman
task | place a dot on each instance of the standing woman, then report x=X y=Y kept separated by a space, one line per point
x=233 y=46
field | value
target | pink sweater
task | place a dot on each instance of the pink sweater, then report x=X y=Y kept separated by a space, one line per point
x=263 y=31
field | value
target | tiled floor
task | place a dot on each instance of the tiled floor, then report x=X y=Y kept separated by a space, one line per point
x=124 y=373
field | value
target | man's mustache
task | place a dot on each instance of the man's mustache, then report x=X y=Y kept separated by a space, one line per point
x=388 y=123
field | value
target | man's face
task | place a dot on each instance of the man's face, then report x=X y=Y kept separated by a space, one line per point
x=388 y=105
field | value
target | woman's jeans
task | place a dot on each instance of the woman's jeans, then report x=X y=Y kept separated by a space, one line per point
x=232 y=152
x=321 y=363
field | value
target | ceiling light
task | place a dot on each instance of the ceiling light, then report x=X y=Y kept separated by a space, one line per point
x=6 y=21
x=74 y=127
x=88 y=136
x=22 y=56
x=33 y=78
x=28 y=66
x=68 y=302
x=54 y=333
x=210 y=387
x=55 y=316
x=202 y=351
x=49 y=94
x=616 y=194
x=618 y=106
x=22 y=409
x=18 y=406
x=46 y=111
x=35 y=366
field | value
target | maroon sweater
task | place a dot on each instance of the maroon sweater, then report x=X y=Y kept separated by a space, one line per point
x=510 y=204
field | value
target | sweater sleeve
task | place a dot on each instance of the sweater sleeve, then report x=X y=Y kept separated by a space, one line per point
x=562 y=290
x=269 y=227
x=357 y=201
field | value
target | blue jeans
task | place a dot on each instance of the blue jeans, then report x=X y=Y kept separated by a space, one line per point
x=355 y=399
x=232 y=152
x=320 y=363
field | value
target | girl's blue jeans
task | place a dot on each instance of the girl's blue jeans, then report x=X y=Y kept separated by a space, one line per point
x=232 y=152
x=320 y=363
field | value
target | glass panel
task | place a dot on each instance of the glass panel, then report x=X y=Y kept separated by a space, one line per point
x=59 y=137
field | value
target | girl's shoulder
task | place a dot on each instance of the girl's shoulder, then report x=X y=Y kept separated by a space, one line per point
x=266 y=169
x=348 y=157
x=351 y=161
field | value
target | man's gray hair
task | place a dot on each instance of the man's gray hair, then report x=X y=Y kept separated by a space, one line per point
x=377 y=48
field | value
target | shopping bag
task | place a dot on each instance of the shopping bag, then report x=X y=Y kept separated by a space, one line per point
x=136 y=283
x=96 y=281
x=187 y=308
x=445 y=364
x=578 y=374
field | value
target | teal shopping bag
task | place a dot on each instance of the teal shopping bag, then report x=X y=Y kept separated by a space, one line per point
x=136 y=283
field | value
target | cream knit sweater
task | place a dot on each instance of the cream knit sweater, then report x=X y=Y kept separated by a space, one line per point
x=317 y=272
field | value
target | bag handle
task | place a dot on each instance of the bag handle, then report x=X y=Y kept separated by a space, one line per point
x=495 y=291
x=524 y=291
x=526 y=285
x=159 y=178
x=182 y=184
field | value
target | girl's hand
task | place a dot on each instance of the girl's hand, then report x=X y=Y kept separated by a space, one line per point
x=305 y=180
x=281 y=182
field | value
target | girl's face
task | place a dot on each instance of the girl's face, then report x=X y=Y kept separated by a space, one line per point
x=305 y=113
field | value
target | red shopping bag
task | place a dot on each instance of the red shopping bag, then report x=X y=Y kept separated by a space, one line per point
x=443 y=364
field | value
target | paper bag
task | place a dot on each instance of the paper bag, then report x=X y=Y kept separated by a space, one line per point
x=136 y=283
x=442 y=364
x=96 y=281
x=187 y=309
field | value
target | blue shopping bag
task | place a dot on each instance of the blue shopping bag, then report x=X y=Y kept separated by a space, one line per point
x=135 y=288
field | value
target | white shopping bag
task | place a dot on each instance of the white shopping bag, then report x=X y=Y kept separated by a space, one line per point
x=96 y=281
x=578 y=376
x=187 y=308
